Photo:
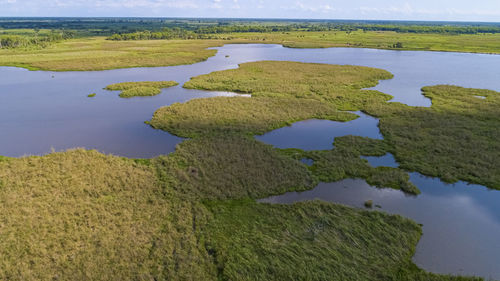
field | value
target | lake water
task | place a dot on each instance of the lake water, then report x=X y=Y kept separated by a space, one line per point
x=41 y=110
x=317 y=134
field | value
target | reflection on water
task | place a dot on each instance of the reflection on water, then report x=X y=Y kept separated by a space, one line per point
x=461 y=222
x=382 y=161
x=317 y=134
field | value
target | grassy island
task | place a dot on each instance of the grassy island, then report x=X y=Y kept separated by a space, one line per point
x=140 y=89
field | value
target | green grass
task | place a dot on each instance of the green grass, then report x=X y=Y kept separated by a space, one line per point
x=455 y=139
x=97 y=53
x=140 y=89
x=311 y=241
x=345 y=162
x=473 y=43
x=92 y=95
x=242 y=115
x=336 y=84
x=81 y=215
x=222 y=167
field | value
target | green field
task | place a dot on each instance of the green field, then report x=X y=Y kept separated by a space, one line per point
x=97 y=53
x=140 y=89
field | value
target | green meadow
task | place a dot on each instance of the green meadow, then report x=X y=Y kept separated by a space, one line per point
x=98 y=53
x=140 y=89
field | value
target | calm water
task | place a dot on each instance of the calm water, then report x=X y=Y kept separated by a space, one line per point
x=42 y=110
x=383 y=161
x=461 y=222
x=317 y=134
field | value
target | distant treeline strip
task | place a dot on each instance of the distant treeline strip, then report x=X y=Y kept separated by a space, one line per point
x=18 y=41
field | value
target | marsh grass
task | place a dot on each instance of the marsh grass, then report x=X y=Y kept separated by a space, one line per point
x=81 y=215
x=140 y=89
x=337 y=84
x=97 y=53
x=232 y=166
x=92 y=95
x=312 y=241
x=455 y=139
x=228 y=115
x=344 y=161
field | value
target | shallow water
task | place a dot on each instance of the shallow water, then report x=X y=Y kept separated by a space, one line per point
x=461 y=222
x=317 y=134
x=40 y=110
x=382 y=161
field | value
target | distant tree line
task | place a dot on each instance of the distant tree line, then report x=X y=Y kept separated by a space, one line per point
x=206 y=32
x=19 y=41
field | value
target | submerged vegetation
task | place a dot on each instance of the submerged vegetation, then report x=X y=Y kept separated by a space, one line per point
x=140 y=89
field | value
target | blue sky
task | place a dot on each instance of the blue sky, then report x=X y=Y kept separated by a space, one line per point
x=462 y=10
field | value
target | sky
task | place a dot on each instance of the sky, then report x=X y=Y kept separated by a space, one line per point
x=441 y=10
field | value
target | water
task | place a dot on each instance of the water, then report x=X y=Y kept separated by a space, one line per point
x=41 y=110
x=461 y=222
x=382 y=161
x=317 y=134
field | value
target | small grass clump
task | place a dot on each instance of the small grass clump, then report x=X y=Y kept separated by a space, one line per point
x=140 y=89
x=92 y=95
x=336 y=84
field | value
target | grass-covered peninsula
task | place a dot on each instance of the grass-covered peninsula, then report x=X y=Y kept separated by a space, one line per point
x=140 y=89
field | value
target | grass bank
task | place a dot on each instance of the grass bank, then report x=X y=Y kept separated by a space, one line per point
x=97 y=53
x=455 y=139
x=140 y=89
x=339 y=85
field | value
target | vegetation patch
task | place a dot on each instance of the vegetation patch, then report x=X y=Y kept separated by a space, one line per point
x=91 y=95
x=311 y=241
x=83 y=215
x=230 y=166
x=455 y=139
x=242 y=115
x=97 y=53
x=140 y=89
x=344 y=161
x=336 y=84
